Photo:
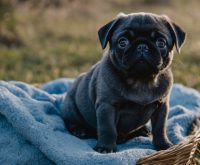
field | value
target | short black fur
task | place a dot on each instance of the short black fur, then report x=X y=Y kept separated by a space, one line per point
x=129 y=86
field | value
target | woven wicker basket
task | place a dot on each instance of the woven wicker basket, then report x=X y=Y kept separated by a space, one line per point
x=185 y=153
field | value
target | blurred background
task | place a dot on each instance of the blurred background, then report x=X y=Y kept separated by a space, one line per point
x=41 y=40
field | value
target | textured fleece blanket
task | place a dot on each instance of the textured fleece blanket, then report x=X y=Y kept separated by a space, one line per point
x=32 y=130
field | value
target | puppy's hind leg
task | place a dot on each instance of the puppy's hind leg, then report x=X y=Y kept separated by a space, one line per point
x=82 y=132
x=75 y=123
x=143 y=131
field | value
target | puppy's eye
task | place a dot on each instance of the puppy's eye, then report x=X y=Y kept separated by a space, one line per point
x=161 y=43
x=123 y=42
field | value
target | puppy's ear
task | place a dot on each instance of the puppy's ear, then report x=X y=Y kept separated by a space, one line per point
x=179 y=36
x=106 y=31
x=177 y=33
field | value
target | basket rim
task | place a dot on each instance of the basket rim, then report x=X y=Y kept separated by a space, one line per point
x=190 y=148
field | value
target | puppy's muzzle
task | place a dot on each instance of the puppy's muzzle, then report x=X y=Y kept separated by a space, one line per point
x=142 y=52
x=142 y=49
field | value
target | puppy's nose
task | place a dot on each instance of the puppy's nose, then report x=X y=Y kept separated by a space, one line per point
x=142 y=48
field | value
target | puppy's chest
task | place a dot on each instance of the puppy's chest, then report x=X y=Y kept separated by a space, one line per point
x=132 y=107
x=138 y=114
x=142 y=94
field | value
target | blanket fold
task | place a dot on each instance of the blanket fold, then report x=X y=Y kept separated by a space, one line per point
x=33 y=132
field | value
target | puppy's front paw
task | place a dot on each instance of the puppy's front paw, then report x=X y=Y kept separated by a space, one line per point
x=163 y=145
x=105 y=149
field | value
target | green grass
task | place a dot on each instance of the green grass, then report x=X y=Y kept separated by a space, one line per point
x=63 y=42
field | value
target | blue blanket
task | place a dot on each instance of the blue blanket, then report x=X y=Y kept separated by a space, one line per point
x=32 y=130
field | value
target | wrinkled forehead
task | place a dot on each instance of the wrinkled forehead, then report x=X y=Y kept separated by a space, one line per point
x=143 y=22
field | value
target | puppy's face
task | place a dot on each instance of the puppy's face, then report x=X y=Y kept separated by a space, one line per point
x=141 y=44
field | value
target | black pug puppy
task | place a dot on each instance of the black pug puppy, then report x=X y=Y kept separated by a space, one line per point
x=129 y=86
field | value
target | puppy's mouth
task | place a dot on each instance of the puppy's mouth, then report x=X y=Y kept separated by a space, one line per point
x=141 y=67
x=141 y=63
